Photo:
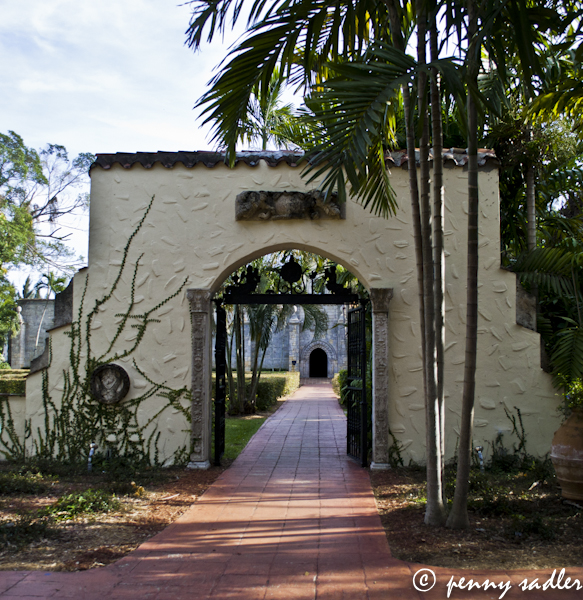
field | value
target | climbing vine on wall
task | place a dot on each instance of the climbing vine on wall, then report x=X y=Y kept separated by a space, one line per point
x=76 y=419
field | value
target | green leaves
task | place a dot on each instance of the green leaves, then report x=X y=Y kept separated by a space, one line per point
x=298 y=37
x=567 y=355
x=355 y=111
x=550 y=269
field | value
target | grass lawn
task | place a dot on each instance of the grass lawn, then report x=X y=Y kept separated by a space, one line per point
x=238 y=432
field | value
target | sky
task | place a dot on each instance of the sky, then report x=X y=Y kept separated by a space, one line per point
x=102 y=77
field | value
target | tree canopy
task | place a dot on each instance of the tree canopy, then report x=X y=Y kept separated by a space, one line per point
x=37 y=189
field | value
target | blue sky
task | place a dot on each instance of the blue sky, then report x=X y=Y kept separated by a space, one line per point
x=106 y=76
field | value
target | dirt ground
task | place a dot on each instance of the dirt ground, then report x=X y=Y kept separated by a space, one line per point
x=527 y=529
x=492 y=542
x=96 y=540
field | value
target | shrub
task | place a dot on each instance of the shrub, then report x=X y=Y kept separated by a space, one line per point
x=525 y=527
x=271 y=387
x=23 y=530
x=339 y=382
x=78 y=503
x=16 y=483
x=13 y=381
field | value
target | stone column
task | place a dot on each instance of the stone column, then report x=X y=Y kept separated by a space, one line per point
x=294 y=341
x=380 y=299
x=201 y=412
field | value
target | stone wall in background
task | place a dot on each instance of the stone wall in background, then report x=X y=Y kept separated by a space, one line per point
x=36 y=316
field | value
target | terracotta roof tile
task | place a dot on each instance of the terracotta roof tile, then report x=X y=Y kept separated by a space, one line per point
x=147 y=160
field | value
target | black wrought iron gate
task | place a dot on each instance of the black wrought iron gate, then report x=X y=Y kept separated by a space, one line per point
x=357 y=415
x=221 y=386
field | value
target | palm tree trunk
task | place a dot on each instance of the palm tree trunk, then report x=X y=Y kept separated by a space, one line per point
x=255 y=383
x=435 y=511
x=530 y=202
x=413 y=182
x=250 y=400
x=232 y=393
x=438 y=224
x=458 y=518
x=239 y=333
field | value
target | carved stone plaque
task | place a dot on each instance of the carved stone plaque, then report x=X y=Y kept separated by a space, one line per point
x=274 y=206
x=109 y=383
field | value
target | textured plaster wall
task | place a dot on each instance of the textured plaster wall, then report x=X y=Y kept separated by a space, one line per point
x=17 y=406
x=191 y=233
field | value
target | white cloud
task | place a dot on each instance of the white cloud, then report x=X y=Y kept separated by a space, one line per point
x=107 y=76
x=71 y=68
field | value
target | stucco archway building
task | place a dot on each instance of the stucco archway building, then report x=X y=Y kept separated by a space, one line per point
x=191 y=235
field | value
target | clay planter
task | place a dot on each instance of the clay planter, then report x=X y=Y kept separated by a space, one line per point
x=567 y=455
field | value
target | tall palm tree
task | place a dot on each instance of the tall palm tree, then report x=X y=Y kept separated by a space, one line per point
x=351 y=58
x=264 y=320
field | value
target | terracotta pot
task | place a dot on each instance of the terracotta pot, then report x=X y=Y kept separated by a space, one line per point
x=567 y=455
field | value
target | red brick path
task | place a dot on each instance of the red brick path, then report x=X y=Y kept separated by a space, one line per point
x=292 y=518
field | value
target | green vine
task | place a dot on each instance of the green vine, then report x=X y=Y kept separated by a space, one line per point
x=395 y=452
x=78 y=419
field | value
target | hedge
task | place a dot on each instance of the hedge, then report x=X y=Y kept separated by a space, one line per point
x=339 y=381
x=271 y=387
x=13 y=381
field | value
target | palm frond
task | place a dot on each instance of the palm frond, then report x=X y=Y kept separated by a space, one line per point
x=548 y=268
x=273 y=38
x=317 y=317
x=354 y=110
x=567 y=355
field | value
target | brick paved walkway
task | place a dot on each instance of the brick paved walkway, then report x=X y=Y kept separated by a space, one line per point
x=292 y=518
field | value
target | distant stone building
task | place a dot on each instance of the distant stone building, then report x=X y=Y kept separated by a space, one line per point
x=292 y=349
x=36 y=316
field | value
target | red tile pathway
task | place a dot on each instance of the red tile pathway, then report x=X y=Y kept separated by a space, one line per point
x=294 y=518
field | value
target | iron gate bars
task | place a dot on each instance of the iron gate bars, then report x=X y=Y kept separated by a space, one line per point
x=220 y=385
x=357 y=414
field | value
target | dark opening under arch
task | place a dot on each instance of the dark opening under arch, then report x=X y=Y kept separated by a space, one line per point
x=318 y=363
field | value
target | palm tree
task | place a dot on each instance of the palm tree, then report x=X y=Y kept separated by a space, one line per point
x=264 y=320
x=351 y=59
x=267 y=120
x=51 y=283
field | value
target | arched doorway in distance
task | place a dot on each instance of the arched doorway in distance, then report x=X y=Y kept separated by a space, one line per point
x=318 y=363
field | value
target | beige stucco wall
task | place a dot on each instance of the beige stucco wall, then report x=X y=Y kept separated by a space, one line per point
x=191 y=233
x=17 y=407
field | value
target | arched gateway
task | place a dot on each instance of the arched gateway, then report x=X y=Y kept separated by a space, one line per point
x=318 y=363
x=206 y=220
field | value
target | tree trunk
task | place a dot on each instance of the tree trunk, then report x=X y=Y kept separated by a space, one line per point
x=435 y=510
x=435 y=513
x=240 y=355
x=458 y=518
x=250 y=400
x=232 y=393
x=413 y=183
x=255 y=383
x=438 y=225
x=530 y=202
